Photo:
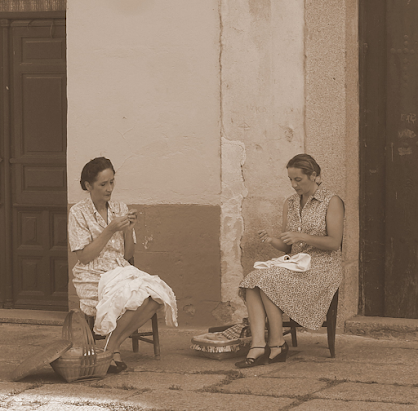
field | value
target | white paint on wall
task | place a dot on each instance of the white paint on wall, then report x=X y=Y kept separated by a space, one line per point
x=143 y=90
x=232 y=223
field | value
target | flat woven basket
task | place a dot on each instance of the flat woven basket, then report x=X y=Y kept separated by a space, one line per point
x=85 y=360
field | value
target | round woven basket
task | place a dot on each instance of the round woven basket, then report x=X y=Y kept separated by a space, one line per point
x=82 y=361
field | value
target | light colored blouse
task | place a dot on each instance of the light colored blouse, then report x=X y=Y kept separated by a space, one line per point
x=84 y=225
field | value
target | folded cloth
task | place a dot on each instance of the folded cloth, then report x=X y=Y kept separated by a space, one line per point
x=298 y=262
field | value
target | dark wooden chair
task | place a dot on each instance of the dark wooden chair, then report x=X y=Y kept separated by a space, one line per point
x=330 y=323
x=137 y=335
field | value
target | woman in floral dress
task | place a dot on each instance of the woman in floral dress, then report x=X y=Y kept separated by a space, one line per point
x=101 y=233
x=313 y=220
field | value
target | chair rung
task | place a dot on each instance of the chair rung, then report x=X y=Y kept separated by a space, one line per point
x=147 y=340
x=142 y=334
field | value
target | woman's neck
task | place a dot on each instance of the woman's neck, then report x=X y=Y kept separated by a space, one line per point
x=100 y=205
x=305 y=196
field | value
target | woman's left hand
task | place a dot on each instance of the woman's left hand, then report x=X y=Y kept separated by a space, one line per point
x=291 y=237
x=132 y=218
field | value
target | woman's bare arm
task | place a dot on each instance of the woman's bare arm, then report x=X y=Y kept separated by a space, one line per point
x=335 y=226
x=277 y=242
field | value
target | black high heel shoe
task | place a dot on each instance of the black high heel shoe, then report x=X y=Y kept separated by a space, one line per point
x=252 y=362
x=281 y=357
x=119 y=367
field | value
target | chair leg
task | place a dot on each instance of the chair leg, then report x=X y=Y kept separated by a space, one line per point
x=155 y=336
x=135 y=344
x=332 y=324
x=293 y=333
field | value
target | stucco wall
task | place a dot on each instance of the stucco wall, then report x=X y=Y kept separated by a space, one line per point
x=289 y=78
x=262 y=80
x=202 y=104
x=331 y=45
x=143 y=90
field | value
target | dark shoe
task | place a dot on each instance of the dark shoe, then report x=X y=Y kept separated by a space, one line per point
x=252 y=362
x=118 y=367
x=281 y=357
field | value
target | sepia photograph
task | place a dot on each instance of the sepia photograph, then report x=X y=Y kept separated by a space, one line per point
x=208 y=205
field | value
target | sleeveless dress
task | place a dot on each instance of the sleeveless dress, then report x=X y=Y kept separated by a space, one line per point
x=303 y=296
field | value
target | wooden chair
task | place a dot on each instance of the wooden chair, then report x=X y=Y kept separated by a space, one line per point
x=330 y=323
x=137 y=335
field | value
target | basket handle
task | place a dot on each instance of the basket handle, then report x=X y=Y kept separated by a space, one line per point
x=88 y=345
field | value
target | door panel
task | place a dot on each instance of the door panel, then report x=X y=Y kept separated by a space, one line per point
x=401 y=274
x=37 y=164
x=389 y=157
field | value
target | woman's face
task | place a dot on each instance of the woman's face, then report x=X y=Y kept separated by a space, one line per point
x=301 y=183
x=101 y=189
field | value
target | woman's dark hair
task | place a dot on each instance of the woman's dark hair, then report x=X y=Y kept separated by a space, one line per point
x=92 y=169
x=306 y=163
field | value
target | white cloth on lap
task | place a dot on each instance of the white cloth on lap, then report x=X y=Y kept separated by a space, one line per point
x=299 y=262
x=126 y=288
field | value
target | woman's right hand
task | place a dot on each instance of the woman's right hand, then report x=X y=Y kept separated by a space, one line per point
x=264 y=237
x=119 y=224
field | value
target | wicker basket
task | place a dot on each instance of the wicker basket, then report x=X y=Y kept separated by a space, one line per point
x=85 y=361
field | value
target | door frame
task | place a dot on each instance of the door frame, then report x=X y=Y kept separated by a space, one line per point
x=6 y=241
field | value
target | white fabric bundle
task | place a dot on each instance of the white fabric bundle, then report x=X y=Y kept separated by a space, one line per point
x=298 y=262
x=126 y=288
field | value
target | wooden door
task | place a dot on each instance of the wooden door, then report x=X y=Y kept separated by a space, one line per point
x=34 y=202
x=389 y=157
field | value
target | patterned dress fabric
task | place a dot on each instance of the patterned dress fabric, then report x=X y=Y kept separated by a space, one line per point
x=84 y=225
x=303 y=296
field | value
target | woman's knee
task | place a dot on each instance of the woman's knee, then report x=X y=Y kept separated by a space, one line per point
x=155 y=303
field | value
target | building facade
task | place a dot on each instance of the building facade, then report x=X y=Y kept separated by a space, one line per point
x=199 y=105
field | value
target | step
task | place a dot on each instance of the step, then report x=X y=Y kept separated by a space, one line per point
x=37 y=317
x=383 y=327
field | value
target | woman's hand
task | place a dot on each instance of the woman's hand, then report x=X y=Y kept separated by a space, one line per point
x=264 y=237
x=291 y=237
x=132 y=218
x=119 y=224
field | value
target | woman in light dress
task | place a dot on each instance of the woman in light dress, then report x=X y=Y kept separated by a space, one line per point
x=313 y=221
x=101 y=233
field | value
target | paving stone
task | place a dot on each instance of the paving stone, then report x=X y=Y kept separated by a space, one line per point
x=10 y=389
x=372 y=392
x=20 y=407
x=365 y=372
x=67 y=407
x=71 y=394
x=161 y=381
x=284 y=387
x=331 y=405
x=191 y=401
x=7 y=388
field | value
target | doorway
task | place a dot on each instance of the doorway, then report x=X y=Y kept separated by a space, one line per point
x=389 y=158
x=33 y=198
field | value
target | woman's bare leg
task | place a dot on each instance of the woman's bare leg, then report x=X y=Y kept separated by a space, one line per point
x=275 y=317
x=130 y=322
x=257 y=318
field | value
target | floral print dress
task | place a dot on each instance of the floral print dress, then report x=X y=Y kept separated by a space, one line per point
x=303 y=296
